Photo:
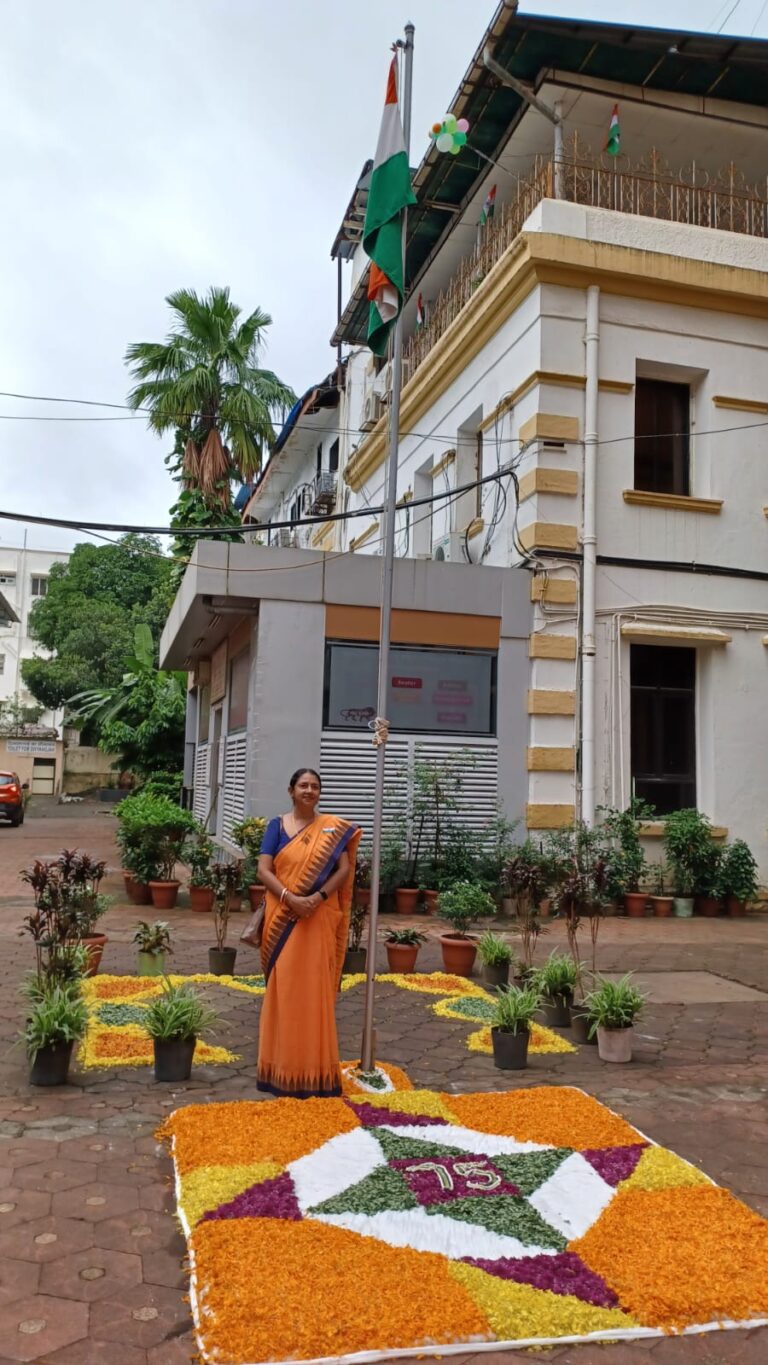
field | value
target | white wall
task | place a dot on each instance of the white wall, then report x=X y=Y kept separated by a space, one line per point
x=16 y=643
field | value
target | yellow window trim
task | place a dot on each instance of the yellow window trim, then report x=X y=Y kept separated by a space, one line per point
x=364 y=536
x=672 y=502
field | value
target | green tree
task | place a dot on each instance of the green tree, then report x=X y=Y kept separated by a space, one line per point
x=204 y=383
x=88 y=617
x=142 y=716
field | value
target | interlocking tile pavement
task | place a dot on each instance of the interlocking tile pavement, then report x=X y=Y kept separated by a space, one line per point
x=91 y=1258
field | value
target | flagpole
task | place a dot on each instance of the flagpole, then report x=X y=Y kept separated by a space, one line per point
x=368 y=1045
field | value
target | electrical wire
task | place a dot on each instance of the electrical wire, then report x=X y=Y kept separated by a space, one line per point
x=202 y=532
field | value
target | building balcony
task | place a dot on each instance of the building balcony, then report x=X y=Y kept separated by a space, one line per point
x=321 y=494
x=649 y=188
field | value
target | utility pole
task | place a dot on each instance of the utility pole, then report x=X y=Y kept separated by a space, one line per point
x=367 y=1049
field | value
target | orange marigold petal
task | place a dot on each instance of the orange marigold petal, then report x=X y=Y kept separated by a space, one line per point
x=274 y=1290
x=557 y=1115
x=682 y=1256
x=242 y=1132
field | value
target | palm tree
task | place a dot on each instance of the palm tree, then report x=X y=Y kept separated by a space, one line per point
x=204 y=383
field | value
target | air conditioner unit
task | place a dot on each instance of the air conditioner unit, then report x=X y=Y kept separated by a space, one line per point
x=382 y=384
x=373 y=409
x=449 y=549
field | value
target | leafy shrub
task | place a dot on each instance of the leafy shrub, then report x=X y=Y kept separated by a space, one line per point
x=178 y=1013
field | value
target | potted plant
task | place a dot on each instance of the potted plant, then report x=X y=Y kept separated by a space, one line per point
x=57 y=1019
x=513 y=1013
x=403 y=948
x=174 y=1021
x=614 y=1006
x=248 y=836
x=461 y=905
x=159 y=828
x=496 y=957
x=89 y=910
x=738 y=878
x=624 y=854
x=707 y=899
x=152 y=941
x=661 y=902
x=68 y=905
x=526 y=877
x=556 y=982
x=688 y=848
x=198 y=853
x=355 y=956
x=226 y=879
x=363 y=870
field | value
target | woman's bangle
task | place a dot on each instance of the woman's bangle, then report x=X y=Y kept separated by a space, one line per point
x=283 y=895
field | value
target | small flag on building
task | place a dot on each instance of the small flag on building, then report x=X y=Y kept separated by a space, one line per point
x=389 y=195
x=613 y=145
x=420 y=318
x=488 y=207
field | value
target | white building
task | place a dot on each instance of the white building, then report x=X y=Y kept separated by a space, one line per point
x=599 y=351
x=24 y=575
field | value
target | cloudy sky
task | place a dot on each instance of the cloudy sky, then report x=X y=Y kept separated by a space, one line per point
x=156 y=144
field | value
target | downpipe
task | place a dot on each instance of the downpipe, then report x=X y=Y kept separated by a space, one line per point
x=589 y=563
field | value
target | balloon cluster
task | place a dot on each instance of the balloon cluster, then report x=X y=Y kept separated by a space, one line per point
x=450 y=135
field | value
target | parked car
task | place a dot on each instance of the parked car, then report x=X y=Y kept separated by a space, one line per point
x=11 y=798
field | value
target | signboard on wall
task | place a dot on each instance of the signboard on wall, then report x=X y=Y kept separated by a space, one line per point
x=219 y=673
x=433 y=690
x=31 y=746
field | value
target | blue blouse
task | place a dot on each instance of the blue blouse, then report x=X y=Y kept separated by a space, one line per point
x=275 y=838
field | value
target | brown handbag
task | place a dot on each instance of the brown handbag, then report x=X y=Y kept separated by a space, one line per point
x=254 y=929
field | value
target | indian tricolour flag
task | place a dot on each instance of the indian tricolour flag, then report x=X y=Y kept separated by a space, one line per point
x=613 y=145
x=489 y=207
x=389 y=194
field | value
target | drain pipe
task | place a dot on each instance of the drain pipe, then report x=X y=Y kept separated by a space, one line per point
x=589 y=569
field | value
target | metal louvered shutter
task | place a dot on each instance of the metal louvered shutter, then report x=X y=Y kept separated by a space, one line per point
x=201 y=779
x=348 y=768
x=233 y=794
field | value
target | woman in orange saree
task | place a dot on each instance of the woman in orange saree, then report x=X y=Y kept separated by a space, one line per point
x=307 y=865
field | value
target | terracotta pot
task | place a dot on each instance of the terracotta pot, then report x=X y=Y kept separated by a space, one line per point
x=355 y=961
x=545 y=909
x=682 y=907
x=138 y=893
x=615 y=1044
x=431 y=902
x=459 y=954
x=406 y=899
x=234 y=901
x=363 y=897
x=402 y=956
x=708 y=906
x=151 y=964
x=635 y=903
x=557 y=1011
x=736 y=908
x=495 y=973
x=508 y=907
x=662 y=906
x=164 y=894
x=256 y=894
x=95 y=944
x=50 y=1065
x=510 y=1050
x=201 y=898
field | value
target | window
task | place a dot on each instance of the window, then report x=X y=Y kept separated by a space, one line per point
x=333 y=457
x=7 y=580
x=663 y=721
x=662 y=436
x=238 y=692
x=39 y=586
x=296 y=509
x=450 y=691
x=2 y=661
x=319 y=459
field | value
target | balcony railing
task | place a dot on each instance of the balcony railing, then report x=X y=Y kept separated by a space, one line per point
x=650 y=189
x=322 y=493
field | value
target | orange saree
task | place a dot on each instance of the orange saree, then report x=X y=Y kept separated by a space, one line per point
x=302 y=963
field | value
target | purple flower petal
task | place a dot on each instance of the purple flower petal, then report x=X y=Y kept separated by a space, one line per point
x=439 y=1179
x=372 y=1117
x=563 y=1273
x=615 y=1164
x=274 y=1198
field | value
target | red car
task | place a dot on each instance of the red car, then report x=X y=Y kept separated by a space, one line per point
x=11 y=798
